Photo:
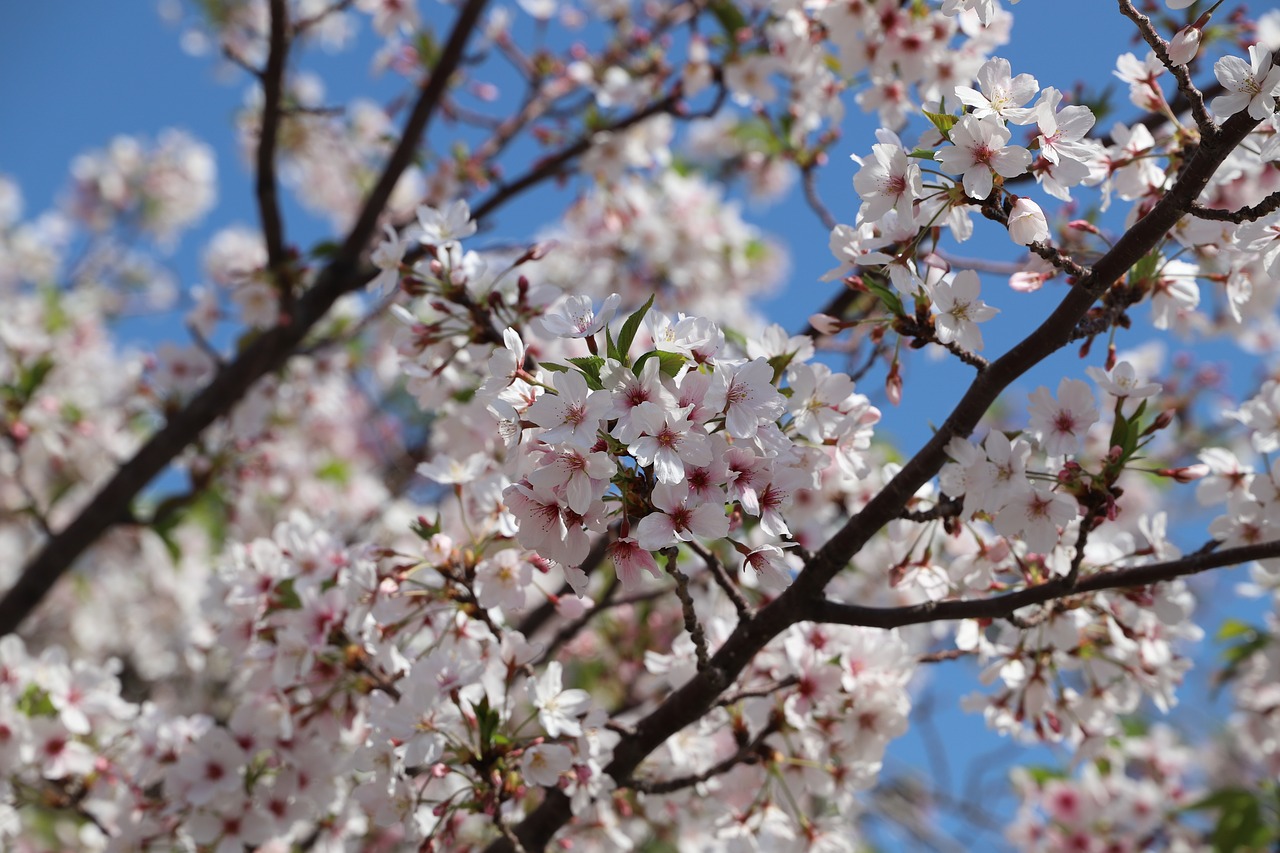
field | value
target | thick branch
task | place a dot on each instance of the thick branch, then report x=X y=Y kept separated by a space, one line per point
x=267 y=353
x=1003 y=606
x=689 y=703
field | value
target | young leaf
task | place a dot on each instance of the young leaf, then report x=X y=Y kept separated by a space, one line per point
x=887 y=296
x=943 y=122
x=590 y=366
x=629 y=329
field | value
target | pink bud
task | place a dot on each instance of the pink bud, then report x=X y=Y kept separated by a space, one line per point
x=1184 y=46
x=825 y=323
x=1186 y=474
x=893 y=385
x=1027 y=282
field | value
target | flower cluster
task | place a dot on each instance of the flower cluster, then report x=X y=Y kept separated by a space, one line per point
x=1134 y=794
x=160 y=190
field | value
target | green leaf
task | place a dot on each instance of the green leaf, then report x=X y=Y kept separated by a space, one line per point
x=735 y=337
x=887 y=296
x=30 y=377
x=922 y=154
x=423 y=529
x=1145 y=269
x=629 y=329
x=779 y=364
x=1240 y=823
x=610 y=346
x=1041 y=774
x=553 y=366
x=335 y=471
x=669 y=363
x=590 y=366
x=1232 y=628
x=943 y=122
x=287 y=597
x=729 y=16
x=325 y=249
x=1118 y=430
x=428 y=49
x=35 y=702
x=488 y=721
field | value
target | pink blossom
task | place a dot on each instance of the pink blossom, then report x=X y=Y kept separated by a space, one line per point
x=1060 y=425
x=675 y=519
x=980 y=149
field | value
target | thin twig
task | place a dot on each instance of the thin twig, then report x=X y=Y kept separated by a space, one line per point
x=1268 y=205
x=691 y=623
x=757 y=692
x=748 y=753
x=810 y=183
x=1002 y=606
x=723 y=580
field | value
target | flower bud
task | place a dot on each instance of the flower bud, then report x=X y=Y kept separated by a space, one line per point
x=1186 y=474
x=1184 y=46
x=893 y=385
x=825 y=323
x=1027 y=281
x=1027 y=224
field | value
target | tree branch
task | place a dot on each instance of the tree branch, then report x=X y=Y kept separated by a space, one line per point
x=1195 y=98
x=266 y=354
x=1270 y=204
x=692 y=700
x=748 y=753
x=266 y=189
x=1002 y=606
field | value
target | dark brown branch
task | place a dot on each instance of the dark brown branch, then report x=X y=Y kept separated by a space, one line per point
x=947 y=507
x=266 y=354
x=266 y=188
x=691 y=623
x=549 y=167
x=692 y=700
x=810 y=184
x=1270 y=204
x=1195 y=98
x=748 y=753
x=1003 y=606
x=723 y=580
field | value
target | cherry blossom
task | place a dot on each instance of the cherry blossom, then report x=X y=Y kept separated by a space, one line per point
x=980 y=150
x=558 y=708
x=888 y=181
x=1252 y=85
x=1060 y=424
x=1002 y=94
x=1122 y=381
x=960 y=310
x=1027 y=224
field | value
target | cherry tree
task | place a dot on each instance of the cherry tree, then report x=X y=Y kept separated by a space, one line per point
x=430 y=535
